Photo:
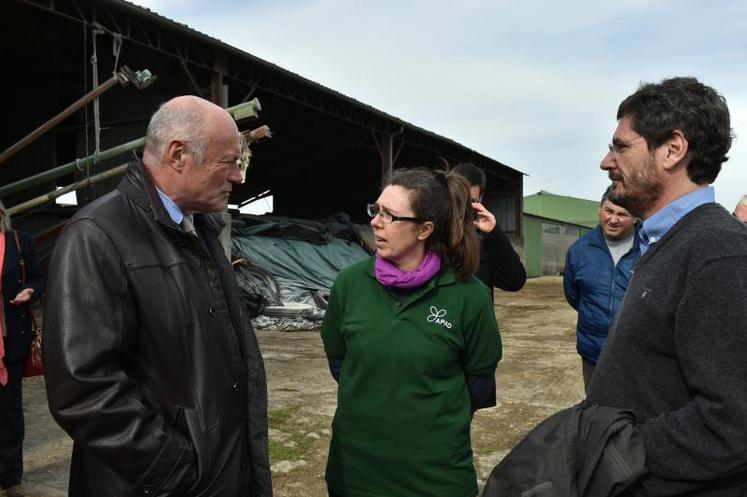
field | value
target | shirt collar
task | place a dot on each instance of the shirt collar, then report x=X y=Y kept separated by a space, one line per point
x=657 y=225
x=175 y=213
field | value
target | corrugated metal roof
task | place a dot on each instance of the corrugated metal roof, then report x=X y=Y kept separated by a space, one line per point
x=572 y=210
x=239 y=52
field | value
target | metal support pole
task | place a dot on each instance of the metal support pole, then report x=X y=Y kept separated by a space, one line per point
x=387 y=154
x=388 y=157
x=95 y=75
x=220 y=67
x=519 y=208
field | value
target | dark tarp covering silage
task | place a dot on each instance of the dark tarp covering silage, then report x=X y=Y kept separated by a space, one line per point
x=305 y=264
x=259 y=288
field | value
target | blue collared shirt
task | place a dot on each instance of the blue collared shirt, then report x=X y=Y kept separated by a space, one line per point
x=175 y=213
x=657 y=225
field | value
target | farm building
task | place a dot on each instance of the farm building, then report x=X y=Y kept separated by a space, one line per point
x=551 y=224
x=328 y=152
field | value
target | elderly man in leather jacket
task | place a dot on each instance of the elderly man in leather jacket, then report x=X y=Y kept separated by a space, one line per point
x=150 y=366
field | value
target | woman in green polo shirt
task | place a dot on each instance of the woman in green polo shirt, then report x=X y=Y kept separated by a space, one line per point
x=412 y=340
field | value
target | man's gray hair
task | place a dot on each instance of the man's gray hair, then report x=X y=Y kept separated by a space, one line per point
x=177 y=122
x=743 y=200
x=4 y=219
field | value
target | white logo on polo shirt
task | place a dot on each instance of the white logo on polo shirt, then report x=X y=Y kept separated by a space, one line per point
x=437 y=316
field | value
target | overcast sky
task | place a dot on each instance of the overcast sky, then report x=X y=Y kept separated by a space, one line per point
x=534 y=85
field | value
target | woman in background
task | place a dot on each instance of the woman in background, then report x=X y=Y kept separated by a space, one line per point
x=412 y=340
x=17 y=256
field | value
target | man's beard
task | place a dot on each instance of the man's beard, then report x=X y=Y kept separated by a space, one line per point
x=638 y=192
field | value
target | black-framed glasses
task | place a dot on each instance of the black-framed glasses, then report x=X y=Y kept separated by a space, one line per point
x=619 y=146
x=374 y=210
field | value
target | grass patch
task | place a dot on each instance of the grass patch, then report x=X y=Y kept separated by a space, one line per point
x=279 y=418
x=293 y=445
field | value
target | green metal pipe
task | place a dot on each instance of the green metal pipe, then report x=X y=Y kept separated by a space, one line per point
x=86 y=182
x=238 y=112
x=79 y=164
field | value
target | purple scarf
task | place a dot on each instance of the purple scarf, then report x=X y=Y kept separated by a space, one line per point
x=391 y=276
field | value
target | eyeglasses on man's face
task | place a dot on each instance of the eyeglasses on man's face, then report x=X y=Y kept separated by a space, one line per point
x=374 y=210
x=618 y=146
x=230 y=164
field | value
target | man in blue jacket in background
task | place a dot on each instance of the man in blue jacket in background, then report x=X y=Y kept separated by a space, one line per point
x=598 y=267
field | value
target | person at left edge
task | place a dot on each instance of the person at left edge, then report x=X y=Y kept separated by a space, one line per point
x=412 y=340
x=16 y=326
x=150 y=366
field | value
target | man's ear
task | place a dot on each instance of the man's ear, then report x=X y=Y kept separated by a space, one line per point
x=676 y=150
x=175 y=151
x=425 y=230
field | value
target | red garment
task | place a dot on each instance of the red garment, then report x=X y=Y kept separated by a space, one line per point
x=3 y=369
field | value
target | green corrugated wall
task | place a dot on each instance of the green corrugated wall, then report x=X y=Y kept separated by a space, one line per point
x=567 y=209
x=533 y=262
x=578 y=212
x=533 y=246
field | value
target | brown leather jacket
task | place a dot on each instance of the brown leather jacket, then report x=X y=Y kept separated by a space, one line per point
x=150 y=366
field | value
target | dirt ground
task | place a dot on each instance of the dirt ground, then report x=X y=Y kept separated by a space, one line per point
x=540 y=374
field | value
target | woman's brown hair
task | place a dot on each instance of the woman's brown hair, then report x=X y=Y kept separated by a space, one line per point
x=444 y=199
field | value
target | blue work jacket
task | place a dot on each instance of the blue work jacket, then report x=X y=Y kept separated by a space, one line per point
x=595 y=286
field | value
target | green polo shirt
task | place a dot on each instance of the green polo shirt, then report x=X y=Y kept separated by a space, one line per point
x=402 y=423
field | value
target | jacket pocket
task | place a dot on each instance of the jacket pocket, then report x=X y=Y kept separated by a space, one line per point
x=189 y=422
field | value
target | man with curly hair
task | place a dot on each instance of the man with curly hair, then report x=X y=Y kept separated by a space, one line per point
x=676 y=352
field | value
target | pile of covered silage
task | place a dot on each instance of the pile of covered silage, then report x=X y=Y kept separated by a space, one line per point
x=298 y=261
